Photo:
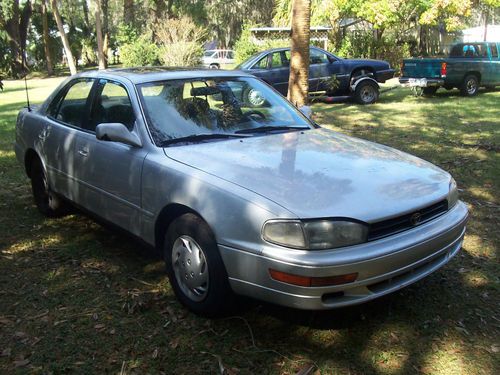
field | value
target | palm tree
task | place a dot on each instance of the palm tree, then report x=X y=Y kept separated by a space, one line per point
x=64 y=37
x=298 y=84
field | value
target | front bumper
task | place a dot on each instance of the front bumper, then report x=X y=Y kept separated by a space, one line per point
x=421 y=82
x=384 y=266
x=384 y=75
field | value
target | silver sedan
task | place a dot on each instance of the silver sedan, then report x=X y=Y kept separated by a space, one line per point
x=240 y=199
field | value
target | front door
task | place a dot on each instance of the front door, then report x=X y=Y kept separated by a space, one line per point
x=110 y=172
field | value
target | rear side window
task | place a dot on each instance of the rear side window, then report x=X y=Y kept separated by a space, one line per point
x=72 y=108
x=262 y=64
x=494 y=50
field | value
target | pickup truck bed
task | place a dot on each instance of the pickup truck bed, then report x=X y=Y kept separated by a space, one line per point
x=469 y=66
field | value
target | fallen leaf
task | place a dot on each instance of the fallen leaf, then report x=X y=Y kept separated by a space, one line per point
x=174 y=343
x=99 y=327
x=6 y=352
x=155 y=354
x=21 y=363
x=5 y=321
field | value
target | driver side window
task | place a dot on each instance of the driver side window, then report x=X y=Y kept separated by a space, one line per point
x=112 y=105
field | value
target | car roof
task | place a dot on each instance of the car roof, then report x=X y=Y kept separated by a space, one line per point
x=155 y=73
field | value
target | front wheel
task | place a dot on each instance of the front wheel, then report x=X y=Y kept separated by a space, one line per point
x=47 y=202
x=195 y=268
x=470 y=86
x=366 y=92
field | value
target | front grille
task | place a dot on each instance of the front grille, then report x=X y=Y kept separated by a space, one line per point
x=401 y=223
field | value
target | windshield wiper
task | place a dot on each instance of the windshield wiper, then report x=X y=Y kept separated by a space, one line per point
x=195 y=138
x=270 y=128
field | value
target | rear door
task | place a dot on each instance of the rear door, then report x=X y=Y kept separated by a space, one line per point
x=109 y=173
x=279 y=70
x=65 y=116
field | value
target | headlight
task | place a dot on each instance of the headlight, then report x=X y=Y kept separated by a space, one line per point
x=452 y=194
x=315 y=234
x=285 y=233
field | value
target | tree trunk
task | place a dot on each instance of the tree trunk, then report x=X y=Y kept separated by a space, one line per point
x=298 y=84
x=98 y=29
x=64 y=37
x=46 y=39
x=128 y=12
x=105 y=28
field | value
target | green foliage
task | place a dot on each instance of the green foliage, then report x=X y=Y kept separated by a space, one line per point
x=364 y=45
x=246 y=46
x=140 y=52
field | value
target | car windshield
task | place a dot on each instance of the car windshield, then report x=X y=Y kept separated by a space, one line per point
x=243 y=106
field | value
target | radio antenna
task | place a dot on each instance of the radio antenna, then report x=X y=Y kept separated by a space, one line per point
x=27 y=96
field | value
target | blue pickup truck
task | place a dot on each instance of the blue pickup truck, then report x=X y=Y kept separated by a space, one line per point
x=468 y=67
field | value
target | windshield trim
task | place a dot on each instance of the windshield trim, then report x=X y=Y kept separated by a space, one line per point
x=147 y=118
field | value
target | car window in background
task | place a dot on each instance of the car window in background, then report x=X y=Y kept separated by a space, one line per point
x=72 y=109
x=317 y=57
x=276 y=60
x=261 y=64
x=494 y=50
x=113 y=105
x=181 y=108
x=469 y=50
x=230 y=55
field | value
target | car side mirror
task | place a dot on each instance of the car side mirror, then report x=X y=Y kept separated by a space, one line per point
x=306 y=111
x=117 y=132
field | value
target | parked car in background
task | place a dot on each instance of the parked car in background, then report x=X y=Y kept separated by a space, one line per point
x=218 y=58
x=327 y=73
x=468 y=67
x=257 y=202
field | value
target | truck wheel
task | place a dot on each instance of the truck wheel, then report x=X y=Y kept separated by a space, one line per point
x=195 y=268
x=366 y=92
x=470 y=86
x=47 y=202
x=429 y=91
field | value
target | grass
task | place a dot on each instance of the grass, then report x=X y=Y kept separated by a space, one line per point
x=77 y=297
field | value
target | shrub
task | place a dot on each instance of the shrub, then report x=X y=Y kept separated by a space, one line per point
x=180 y=42
x=140 y=52
x=364 y=45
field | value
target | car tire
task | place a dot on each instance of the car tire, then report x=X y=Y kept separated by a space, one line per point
x=470 y=85
x=429 y=91
x=214 y=66
x=366 y=92
x=48 y=202
x=195 y=268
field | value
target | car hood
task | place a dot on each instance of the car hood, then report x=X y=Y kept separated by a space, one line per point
x=319 y=173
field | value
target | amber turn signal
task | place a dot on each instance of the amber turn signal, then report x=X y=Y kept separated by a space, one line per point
x=308 y=281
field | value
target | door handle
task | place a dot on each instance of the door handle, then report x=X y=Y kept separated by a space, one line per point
x=43 y=134
x=83 y=152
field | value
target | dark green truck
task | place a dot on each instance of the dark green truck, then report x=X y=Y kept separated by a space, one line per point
x=469 y=66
